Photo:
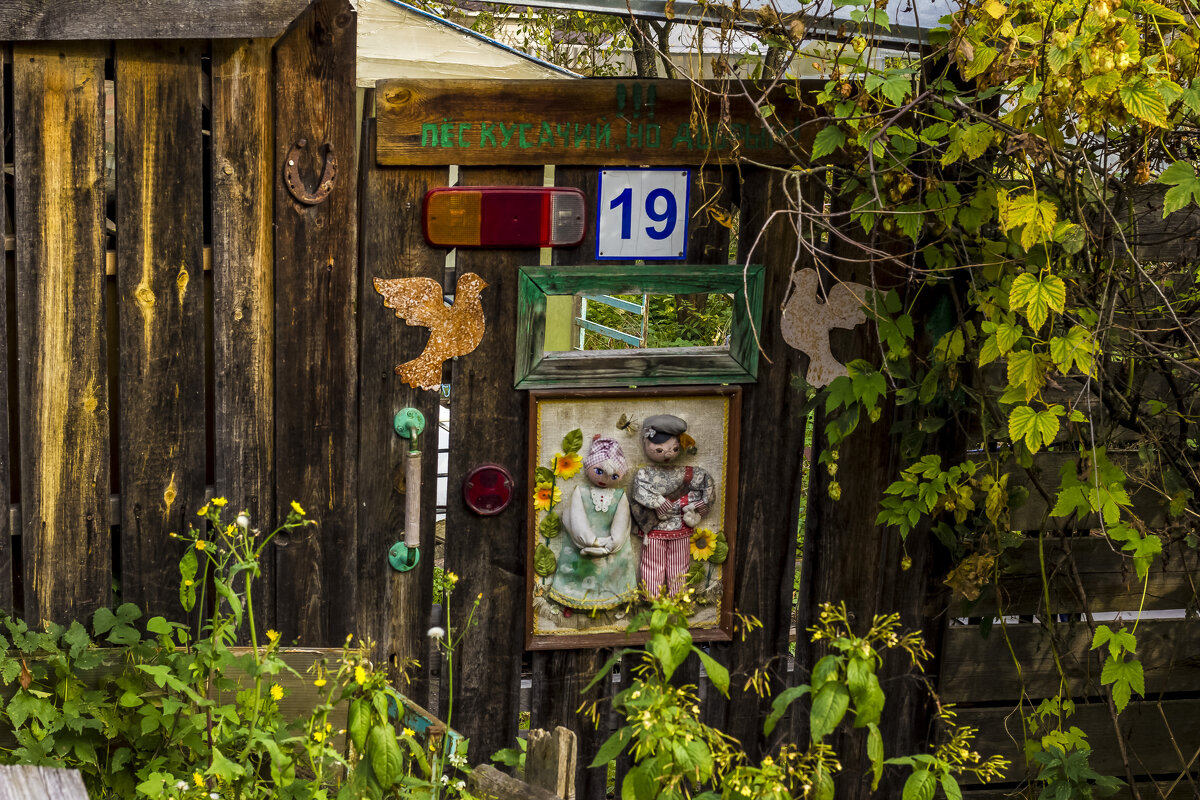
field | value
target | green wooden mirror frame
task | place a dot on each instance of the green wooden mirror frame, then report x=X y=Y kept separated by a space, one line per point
x=657 y=366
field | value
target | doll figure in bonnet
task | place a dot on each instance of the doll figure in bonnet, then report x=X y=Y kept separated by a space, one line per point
x=668 y=503
x=597 y=565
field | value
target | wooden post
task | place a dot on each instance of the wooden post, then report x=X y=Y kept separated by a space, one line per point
x=550 y=761
x=488 y=783
x=41 y=783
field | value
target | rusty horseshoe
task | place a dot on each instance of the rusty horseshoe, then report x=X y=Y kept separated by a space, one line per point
x=296 y=187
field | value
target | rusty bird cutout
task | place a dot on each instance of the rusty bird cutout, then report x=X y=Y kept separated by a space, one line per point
x=453 y=331
x=806 y=322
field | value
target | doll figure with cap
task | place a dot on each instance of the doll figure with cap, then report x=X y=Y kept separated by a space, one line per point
x=669 y=500
x=597 y=565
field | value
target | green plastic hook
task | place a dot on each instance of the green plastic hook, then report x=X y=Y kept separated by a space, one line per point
x=402 y=557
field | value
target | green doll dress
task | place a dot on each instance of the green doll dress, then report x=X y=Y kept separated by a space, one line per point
x=595 y=583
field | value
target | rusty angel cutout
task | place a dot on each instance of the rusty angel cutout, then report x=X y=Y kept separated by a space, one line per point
x=806 y=322
x=453 y=330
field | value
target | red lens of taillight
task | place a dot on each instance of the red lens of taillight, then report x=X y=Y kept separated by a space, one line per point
x=504 y=216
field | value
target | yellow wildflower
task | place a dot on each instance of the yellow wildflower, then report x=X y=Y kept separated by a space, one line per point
x=450 y=579
x=296 y=507
x=276 y=691
x=203 y=510
x=273 y=635
x=318 y=736
x=201 y=544
x=197 y=779
x=319 y=682
x=410 y=733
x=545 y=496
x=565 y=466
x=360 y=675
x=188 y=582
x=219 y=502
x=704 y=541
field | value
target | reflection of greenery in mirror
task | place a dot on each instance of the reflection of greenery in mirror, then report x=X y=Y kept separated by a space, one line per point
x=638 y=325
x=657 y=320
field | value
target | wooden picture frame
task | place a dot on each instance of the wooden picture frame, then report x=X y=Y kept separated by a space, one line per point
x=587 y=600
x=737 y=363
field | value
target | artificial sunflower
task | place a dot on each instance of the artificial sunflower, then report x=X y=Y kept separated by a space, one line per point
x=565 y=466
x=546 y=496
x=704 y=541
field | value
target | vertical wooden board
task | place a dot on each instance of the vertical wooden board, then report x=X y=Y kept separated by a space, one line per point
x=243 y=273
x=396 y=605
x=771 y=470
x=560 y=675
x=6 y=477
x=315 y=358
x=58 y=106
x=160 y=270
x=488 y=425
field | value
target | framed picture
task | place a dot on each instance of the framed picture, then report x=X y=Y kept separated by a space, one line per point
x=634 y=494
x=736 y=361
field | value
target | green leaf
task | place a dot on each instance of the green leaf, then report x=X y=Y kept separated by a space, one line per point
x=103 y=621
x=612 y=747
x=543 y=475
x=717 y=673
x=1037 y=296
x=1144 y=102
x=1075 y=348
x=572 y=441
x=187 y=584
x=358 y=723
x=639 y=783
x=921 y=785
x=828 y=139
x=780 y=705
x=223 y=768
x=875 y=753
x=383 y=751
x=976 y=139
x=550 y=525
x=1036 y=428
x=1185 y=186
x=235 y=602
x=950 y=787
x=1027 y=371
x=983 y=58
x=544 y=561
x=828 y=708
x=160 y=626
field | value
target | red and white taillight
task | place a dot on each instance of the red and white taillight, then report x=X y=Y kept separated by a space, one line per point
x=504 y=216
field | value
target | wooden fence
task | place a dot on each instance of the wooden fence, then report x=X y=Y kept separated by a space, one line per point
x=194 y=327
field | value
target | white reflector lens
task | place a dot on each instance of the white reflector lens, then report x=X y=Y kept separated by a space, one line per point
x=566 y=218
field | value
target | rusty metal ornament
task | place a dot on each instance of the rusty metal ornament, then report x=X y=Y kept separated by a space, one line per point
x=453 y=331
x=295 y=185
x=806 y=322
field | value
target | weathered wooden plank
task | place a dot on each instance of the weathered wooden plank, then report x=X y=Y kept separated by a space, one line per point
x=1145 y=789
x=603 y=123
x=397 y=613
x=560 y=675
x=44 y=20
x=24 y=782
x=6 y=465
x=315 y=341
x=771 y=469
x=243 y=278
x=1108 y=575
x=58 y=106
x=1152 y=731
x=1045 y=476
x=160 y=279
x=975 y=669
x=550 y=761
x=488 y=425
x=488 y=783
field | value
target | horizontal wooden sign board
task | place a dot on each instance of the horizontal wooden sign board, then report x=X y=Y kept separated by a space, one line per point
x=55 y=20
x=583 y=122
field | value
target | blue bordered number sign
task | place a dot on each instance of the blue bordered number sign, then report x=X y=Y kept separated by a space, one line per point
x=642 y=214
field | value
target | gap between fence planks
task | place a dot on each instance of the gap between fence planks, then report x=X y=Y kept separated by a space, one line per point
x=6 y=465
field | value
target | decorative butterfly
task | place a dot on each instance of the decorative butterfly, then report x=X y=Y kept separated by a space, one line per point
x=628 y=424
